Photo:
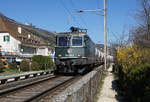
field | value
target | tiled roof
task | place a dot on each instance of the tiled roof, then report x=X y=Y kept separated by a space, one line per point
x=2 y=25
x=12 y=27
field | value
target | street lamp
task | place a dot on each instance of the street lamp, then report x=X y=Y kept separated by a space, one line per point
x=105 y=30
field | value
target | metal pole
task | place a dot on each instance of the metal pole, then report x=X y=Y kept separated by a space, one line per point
x=105 y=37
x=105 y=31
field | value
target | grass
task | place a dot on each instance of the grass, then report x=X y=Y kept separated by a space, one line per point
x=104 y=74
x=8 y=71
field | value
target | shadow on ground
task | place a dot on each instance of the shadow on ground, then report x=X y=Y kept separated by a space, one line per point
x=115 y=87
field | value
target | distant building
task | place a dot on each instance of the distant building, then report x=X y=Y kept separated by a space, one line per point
x=16 y=41
x=28 y=24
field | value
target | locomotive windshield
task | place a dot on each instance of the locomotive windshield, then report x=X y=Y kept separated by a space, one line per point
x=63 y=41
x=77 y=41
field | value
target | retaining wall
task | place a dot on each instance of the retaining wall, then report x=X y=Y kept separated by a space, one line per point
x=84 y=90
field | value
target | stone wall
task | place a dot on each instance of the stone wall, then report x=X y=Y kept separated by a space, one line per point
x=84 y=90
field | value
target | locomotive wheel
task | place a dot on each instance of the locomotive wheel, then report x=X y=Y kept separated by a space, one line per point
x=56 y=72
x=76 y=71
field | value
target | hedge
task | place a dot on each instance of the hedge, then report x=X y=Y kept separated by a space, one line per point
x=44 y=62
x=24 y=65
x=12 y=65
x=34 y=66
x=134 y=72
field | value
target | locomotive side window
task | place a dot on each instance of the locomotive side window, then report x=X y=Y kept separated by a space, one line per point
x=62 y=41
x=85 y=40
x=77 y=41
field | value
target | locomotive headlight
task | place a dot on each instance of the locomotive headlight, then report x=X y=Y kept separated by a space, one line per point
x=59 y=55
x=79 y=55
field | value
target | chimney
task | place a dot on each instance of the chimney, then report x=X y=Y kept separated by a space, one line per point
x=19 y=30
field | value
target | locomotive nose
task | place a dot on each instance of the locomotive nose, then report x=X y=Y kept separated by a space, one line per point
x=62 y=63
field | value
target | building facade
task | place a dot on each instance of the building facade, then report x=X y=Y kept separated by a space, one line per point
x=17 y=42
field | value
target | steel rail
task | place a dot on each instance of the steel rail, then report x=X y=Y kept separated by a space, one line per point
x=9 y=90
x=28 y=92
x=50 y=90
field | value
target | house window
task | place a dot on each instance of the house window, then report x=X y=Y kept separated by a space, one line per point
x=6 y=38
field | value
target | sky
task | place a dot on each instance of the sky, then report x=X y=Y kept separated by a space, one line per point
x=60 y=15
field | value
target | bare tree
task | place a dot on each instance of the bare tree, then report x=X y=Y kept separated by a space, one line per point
x=143 y=14
x=120 y=40
x=141 y=35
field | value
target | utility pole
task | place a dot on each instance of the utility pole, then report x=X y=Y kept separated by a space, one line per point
x=105 y=31
x=105 y=36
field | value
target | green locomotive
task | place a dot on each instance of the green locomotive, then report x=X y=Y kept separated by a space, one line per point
x=74 y=52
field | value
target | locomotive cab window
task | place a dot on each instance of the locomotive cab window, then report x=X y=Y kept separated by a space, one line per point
x=63 y=41
x=86 y=38
x=77 y=41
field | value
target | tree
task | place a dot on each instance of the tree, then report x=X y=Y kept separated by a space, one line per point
x=140 y=35
x=24 y=65
x=121 y=40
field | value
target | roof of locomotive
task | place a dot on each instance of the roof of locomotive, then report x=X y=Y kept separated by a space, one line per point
x=74 y=31
x=71 y=33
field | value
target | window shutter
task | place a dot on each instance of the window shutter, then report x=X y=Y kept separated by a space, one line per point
x=4 y=39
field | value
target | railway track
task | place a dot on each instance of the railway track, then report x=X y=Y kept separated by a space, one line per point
x=35 y=90
x=49 y=95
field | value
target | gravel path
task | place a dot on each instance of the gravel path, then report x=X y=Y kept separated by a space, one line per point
x=108 y=93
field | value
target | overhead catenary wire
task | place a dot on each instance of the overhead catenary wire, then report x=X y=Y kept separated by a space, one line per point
x=81 y=18
x=70 y=13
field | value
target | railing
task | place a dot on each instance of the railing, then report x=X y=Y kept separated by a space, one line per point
x=9 y=79
x=10 y=53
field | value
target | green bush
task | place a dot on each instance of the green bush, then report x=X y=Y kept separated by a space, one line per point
x=34 y=66
x=24 y=65
x=44 y=62
x=133 y=70
x=12 y=65
x=48 y=63
x=139 y=79
x=136 y=83
x=39 y=59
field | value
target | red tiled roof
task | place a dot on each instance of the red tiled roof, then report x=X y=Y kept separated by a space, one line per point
x=2 y=26
x=12 y=29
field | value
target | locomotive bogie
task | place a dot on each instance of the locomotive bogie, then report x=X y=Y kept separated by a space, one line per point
x=70 y=65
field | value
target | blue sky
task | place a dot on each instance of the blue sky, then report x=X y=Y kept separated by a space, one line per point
x=59 y=15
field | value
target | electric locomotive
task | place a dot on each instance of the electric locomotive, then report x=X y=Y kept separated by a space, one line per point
x=74 y=52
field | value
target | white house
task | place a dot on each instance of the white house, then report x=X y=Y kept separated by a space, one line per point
x=15 y=41
x=45 y=51
x=9 y=44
